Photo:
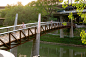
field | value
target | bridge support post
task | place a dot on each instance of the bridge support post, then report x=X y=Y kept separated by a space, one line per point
x=71 y=29
x=14 y=50
x=61 y=30
x=35 y=48
x=36 y=42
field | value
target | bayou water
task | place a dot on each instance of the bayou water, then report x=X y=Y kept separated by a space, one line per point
x=51 y=50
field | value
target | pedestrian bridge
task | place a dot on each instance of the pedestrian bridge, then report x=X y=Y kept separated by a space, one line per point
x=19 y=36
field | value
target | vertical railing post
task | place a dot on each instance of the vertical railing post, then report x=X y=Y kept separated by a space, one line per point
x=20 y=36
x=53 y=25
x=56 y=25
x=60 y=24
x=67 y=24
x=9 y=41
x=28 y=33
x=45 y=27
x=49 y=26
x=35 y=32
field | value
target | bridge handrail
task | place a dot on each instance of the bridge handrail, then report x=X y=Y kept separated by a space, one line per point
x=20 y=25
x=16 y=30
x=27 y=25
x=30 y=24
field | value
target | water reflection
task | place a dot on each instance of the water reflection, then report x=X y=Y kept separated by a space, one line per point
x=60 y=52
x=49 y=50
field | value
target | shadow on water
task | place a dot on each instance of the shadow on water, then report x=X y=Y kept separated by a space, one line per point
x=50 y=50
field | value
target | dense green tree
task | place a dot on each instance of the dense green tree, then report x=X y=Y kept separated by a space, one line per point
x=46 y=7
x=37 y=9
x=28 y=13
x=25 y=14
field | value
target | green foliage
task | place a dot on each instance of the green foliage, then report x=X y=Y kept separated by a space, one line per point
x=60 y=1
x=79 y=10
x=45 y=7
x=84 y=17
x=83 y=36
x=25 y=14
x=2 y=26
x=52 y=18
x=4 y=12
x=59 y=9
x=64 y=5
x=28 y=13
x=57 y=39
x=80 y=6
x=64 y=23
x=71 y=16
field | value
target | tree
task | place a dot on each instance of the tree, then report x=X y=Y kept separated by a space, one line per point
x=46 y=6
x=25 y=14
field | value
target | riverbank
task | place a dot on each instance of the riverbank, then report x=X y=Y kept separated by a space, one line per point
x=55 y=39
x=63 y=44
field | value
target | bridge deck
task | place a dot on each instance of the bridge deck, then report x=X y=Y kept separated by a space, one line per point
x=6 y=38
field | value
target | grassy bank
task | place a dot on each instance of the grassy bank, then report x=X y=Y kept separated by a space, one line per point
x=57 y=39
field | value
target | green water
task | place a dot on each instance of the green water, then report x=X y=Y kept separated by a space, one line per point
x=50 y=50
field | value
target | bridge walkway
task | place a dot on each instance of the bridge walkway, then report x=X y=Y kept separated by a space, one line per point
x=8 y=35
